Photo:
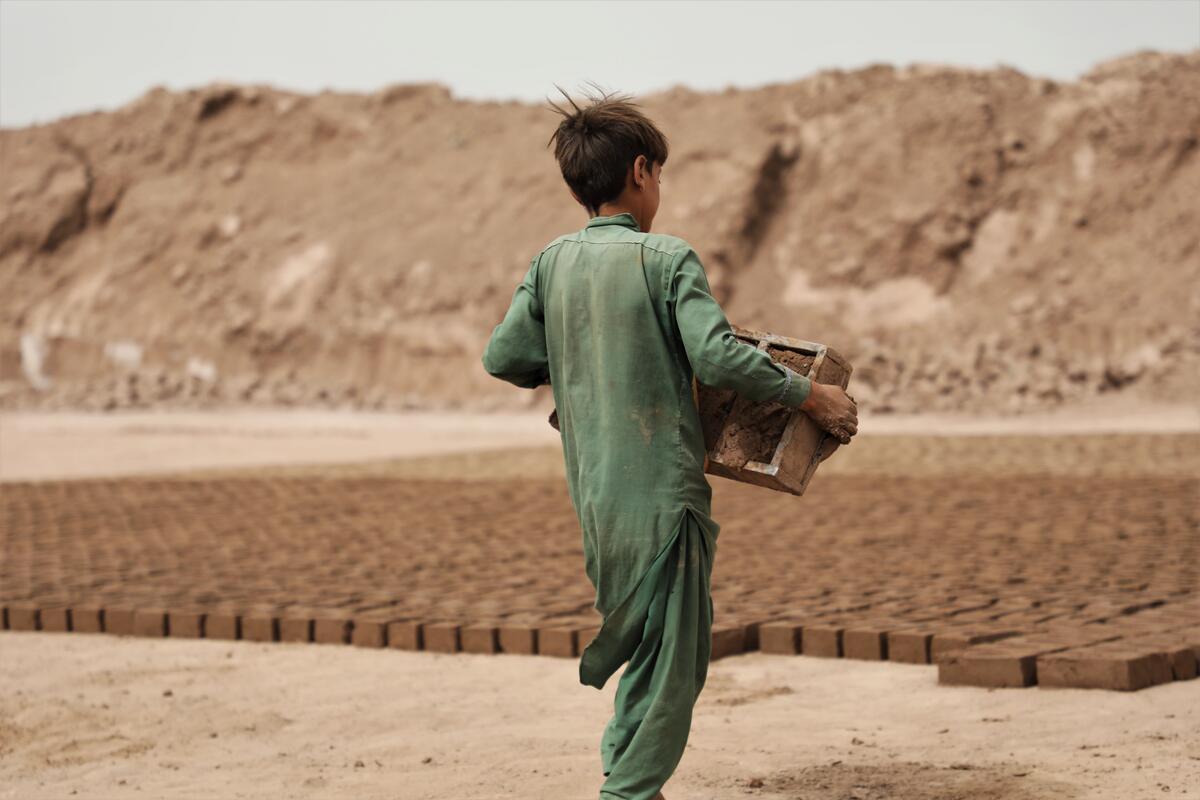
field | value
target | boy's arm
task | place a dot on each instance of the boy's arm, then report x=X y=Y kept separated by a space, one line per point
x=718 y=358
x=516 y=351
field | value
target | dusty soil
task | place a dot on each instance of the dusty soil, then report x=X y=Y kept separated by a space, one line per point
x=66 y=445
x=967 y=238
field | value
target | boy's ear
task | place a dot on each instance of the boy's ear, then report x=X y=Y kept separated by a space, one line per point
x=641 y=171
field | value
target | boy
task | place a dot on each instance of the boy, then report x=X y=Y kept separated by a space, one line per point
x=618 y=320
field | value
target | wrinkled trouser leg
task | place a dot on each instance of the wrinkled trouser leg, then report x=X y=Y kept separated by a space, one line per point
x=646 y=736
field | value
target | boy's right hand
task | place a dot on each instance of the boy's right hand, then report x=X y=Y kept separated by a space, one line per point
x=832 y=409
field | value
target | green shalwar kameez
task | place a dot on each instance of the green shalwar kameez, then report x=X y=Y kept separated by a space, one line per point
x=619 y=321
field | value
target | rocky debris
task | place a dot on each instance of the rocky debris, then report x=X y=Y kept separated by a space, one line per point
x=971 y=240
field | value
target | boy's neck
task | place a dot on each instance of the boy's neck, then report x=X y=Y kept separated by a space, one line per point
x=617 y=207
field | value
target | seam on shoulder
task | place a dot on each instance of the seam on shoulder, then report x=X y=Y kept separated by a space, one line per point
x=673 y=268
x=635 y=244
x=673 y=254
x=543 y=251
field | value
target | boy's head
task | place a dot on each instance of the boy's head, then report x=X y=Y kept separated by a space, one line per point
x=609 y=151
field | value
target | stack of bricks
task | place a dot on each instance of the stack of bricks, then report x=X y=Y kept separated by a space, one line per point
x=1059 y=581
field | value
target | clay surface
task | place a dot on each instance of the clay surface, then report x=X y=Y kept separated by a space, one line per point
x=754 y=433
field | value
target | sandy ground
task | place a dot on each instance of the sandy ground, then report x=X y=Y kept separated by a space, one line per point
x=75 y=445
x=102 y=717
x=36 y=445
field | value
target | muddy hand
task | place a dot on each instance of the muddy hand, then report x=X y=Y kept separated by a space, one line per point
x=832 y=409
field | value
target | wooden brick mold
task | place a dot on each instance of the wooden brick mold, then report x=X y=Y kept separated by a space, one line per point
x=768 y=444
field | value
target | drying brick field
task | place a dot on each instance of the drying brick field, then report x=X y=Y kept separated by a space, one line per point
x=1005 y=561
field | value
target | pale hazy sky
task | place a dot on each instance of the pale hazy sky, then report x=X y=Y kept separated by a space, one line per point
x=61 y=57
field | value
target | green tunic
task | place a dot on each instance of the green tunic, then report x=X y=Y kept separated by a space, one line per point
x=619 y=321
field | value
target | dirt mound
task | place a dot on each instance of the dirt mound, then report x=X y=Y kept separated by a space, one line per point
x=971 y=240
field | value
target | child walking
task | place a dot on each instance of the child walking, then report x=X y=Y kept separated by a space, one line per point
x=618 y=320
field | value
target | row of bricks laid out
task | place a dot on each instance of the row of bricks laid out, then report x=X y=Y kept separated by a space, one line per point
x=560 y=638
x=1122 y=657
x=1121 y=654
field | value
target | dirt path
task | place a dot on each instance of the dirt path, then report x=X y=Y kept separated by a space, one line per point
x=35 y=445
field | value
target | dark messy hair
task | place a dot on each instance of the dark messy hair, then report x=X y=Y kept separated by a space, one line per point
x=597 y=144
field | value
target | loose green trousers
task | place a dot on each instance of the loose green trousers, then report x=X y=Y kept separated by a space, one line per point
x=664 y=631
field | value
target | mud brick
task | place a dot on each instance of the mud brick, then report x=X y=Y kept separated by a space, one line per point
x=562 y=642
x=56 y=618
x=951 y=640
x=1179 y=661
x=369 y=632
x=1178 y=649
x=296 y=625
x=119 y=620
x=1182 y=658
x=150 y=622
x=1066 y=638
x=751 y=643
x=866 y=642
x=479 y=639
x=332 y=629
x=518 y=638
x=260 y=624
x=823 y=639
x=405 y=635
x=999 y=665
x=728 y=640
x=784 y=638
x=185 y=623
x=87 y=619
x=24 y=617
x=909 y=646
x=223 y=623
x=1108 y=666
x=442 y=637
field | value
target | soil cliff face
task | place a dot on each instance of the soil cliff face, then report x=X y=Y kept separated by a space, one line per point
x=971 y=240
